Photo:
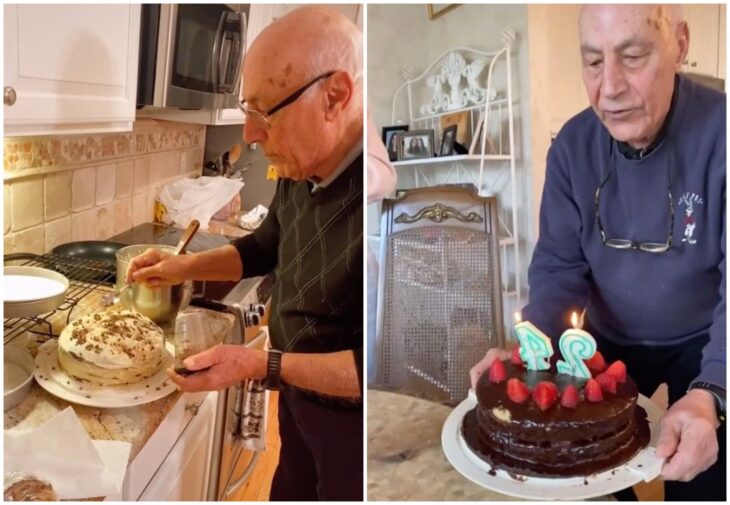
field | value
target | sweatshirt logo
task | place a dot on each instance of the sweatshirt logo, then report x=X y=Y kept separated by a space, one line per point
x=690 y=201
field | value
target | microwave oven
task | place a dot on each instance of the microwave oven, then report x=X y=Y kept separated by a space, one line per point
x=190 y=55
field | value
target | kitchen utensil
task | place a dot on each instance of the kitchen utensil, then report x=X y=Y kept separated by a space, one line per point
x=96 y=250
x=187 y=237
x=160 y=304
x=31 y=291
x=18 y=365
x=192 y=335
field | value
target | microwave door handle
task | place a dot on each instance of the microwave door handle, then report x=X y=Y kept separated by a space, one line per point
x=215 y=57
x=235 y=86
x=230 y=82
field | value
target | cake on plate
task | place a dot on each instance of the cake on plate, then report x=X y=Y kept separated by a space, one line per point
x=547 y=424
x=111 y=348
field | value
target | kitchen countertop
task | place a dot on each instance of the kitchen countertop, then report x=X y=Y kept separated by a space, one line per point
x=133 y=424
x=405 y=460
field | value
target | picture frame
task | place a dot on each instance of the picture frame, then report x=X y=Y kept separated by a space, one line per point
x=462 y=120
x=417 y=144
x=390 y=139
x=448 y=138
x=435 y=11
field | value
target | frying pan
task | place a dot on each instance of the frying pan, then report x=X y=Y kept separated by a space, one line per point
x=96 y=250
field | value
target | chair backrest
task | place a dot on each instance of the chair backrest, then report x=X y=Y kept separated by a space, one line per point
x=440 y=302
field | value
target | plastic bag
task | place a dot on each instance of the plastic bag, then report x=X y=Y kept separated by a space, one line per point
x=253 y=218
x=200 y=199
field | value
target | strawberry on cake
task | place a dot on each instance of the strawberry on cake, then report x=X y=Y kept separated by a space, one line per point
x=546 y=424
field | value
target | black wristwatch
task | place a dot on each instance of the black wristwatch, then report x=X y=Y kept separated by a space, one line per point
x=717 y=392
x=273 y=370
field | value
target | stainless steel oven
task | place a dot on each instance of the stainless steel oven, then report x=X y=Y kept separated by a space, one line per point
x=231 y=462
x=190 y=55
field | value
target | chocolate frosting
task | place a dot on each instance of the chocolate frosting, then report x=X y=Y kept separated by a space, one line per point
x=560 y=441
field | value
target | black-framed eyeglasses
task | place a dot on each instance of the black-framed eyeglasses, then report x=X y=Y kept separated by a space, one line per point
x=621 y=243
x=263 y=117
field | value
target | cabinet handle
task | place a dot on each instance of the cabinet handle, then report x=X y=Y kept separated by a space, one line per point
x=693 y=64
x=9 y=95
x=193 y=408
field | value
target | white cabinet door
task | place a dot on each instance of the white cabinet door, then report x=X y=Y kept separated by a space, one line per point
x=73 y=68
x=184 y=474
x=703 y=21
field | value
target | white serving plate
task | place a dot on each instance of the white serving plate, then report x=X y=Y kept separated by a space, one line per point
x=644 y=466
x=51 y=377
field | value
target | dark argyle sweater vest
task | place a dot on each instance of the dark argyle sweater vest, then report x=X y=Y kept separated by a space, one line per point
x=313 y=243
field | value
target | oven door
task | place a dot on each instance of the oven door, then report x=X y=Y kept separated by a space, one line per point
x=199 y=52
x=234 y=462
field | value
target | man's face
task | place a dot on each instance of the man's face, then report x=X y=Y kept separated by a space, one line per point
x=630 y=54
x=292 y=142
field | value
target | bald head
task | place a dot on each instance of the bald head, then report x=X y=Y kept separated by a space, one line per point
x=663 y=18
x=630 y=56
x=318 y=51
x=304 y=44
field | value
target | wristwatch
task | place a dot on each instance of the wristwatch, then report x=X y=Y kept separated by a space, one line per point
x=718 y=394
x=273 y=370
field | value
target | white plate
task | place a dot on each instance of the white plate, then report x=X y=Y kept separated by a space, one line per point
x=49 y=374
x=644 y=466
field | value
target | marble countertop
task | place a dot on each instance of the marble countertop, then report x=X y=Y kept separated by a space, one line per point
x=133 y=424
x=405 y=460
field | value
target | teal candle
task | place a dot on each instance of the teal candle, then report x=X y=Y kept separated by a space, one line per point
x=535 y=346
x=576 y=346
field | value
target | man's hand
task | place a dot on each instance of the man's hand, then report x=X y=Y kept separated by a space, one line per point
x=226 y=365
x=688 y=436
x=492 y=354
x=156 y=268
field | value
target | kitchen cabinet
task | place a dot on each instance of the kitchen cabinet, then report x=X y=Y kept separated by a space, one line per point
x=184 y=474
x=706 y=23
x=70 y=68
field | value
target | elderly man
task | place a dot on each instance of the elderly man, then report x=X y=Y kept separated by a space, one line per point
x=304 y=105
x=632 y=229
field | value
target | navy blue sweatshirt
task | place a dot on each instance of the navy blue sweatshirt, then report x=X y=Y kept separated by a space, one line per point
x=636 y=297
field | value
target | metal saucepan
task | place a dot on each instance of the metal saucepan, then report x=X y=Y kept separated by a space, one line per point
x=161 y=304
x=31 y=291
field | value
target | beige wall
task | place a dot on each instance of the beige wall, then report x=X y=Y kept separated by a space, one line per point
x=401 y=36
x=89 y=187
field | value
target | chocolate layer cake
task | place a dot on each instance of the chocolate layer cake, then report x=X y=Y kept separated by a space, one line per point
x=555 y=441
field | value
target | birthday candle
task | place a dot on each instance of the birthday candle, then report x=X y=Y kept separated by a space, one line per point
x=535 y=346
x=576 y=346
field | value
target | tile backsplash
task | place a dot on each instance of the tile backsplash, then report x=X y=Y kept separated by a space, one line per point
x=91 y=187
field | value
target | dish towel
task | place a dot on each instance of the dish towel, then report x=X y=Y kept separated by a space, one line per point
x=254 y=414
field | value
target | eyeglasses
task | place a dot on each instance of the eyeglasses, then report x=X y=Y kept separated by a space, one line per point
x=263 y=117
x=620 y=243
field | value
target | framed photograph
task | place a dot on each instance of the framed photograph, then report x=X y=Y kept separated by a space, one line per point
x=415 y=144
x=448 y=138
x=461 y=119
x=390 y=139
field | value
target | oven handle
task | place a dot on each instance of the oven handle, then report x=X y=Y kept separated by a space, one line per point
x=217 y=45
